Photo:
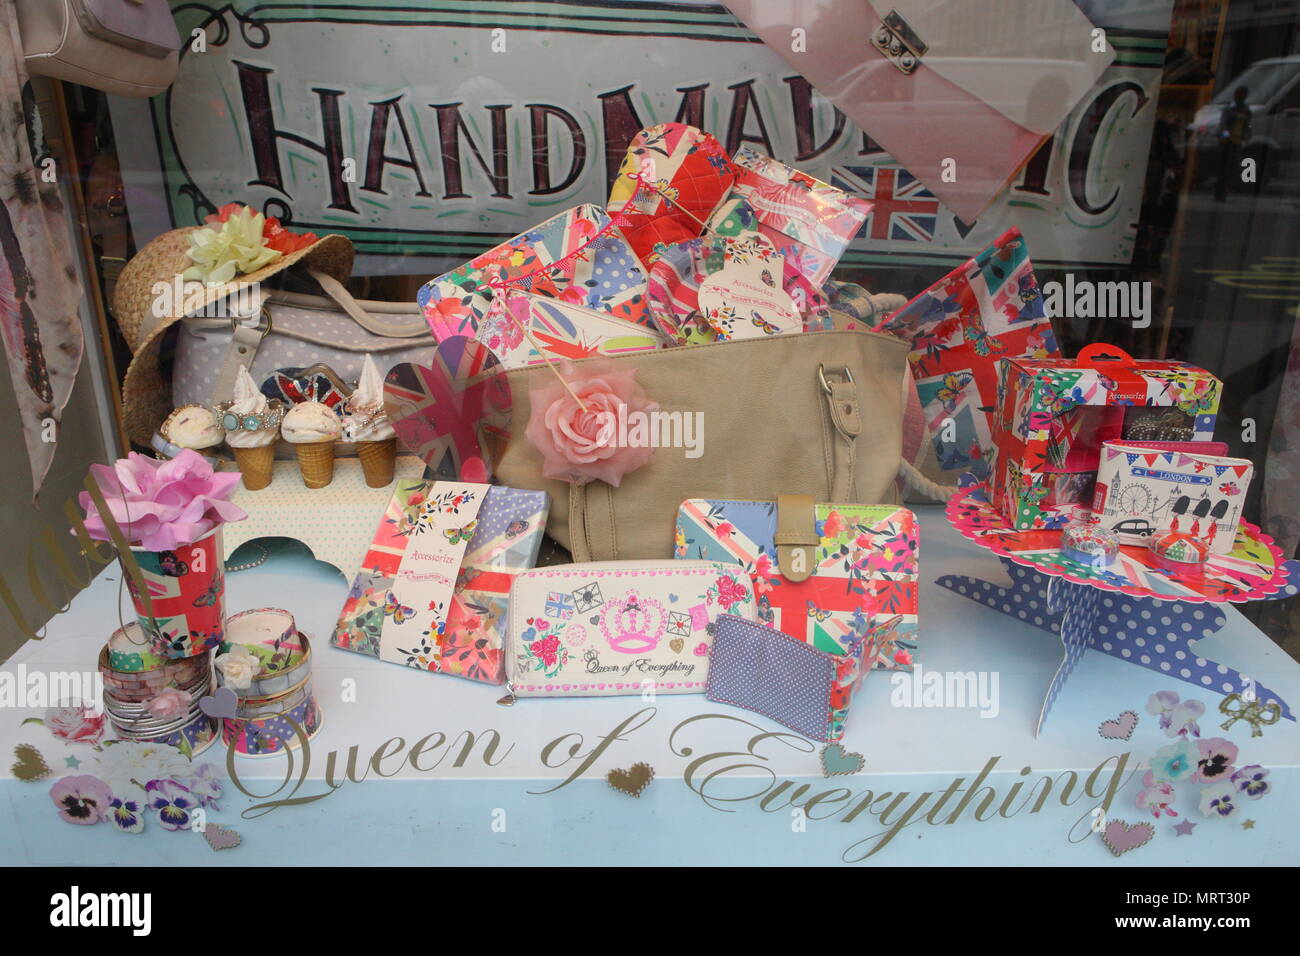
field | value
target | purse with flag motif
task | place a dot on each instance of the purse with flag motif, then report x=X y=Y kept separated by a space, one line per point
x=862 y=568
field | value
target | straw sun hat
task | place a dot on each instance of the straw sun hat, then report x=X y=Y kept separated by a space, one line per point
x=146 y=397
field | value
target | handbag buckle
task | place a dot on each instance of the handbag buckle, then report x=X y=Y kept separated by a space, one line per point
x=899 y=43
x=263 y=324
x=842 y=370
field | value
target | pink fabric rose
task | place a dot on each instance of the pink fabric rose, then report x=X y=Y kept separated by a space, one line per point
x=76 y=724
x=582 y=444
x=162 y=505
x=170 y=703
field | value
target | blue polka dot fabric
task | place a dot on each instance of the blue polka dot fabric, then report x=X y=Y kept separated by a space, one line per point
x=766 y=671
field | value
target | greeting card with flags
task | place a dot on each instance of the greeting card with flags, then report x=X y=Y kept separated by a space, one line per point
x=987 y=309
x=1141 y=490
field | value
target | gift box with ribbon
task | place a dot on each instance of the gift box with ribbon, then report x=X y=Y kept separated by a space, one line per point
x=1038 y=404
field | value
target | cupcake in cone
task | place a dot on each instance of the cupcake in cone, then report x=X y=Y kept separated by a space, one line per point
x=190 y=426
x=252 y=424
x=367 y=425
x=313 y=429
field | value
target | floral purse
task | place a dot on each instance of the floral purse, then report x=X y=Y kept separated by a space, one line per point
x=857 y=568
x=619 y=627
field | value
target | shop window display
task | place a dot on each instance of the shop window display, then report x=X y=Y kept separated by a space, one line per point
x=903 y=388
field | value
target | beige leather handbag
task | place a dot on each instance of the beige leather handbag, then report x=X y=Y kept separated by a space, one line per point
x=818 y=413
x=127 y=47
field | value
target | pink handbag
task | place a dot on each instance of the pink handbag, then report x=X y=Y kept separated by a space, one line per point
x=918 y=77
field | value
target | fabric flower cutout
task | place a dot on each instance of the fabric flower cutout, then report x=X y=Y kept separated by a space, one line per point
x=124 y=762
x=75 y=724
x=125 y=815
x=169 y=704
x=161 y=505
x=1215 y=760
x=1176 y=719
x=221 y=251
x=1176 y=762
x=203 y=785
x=583 y=442
x=82 y=800
x=1217 y=801
x=238 y=666
x=1156 y=796
x=1250 y=781
x=173 y=802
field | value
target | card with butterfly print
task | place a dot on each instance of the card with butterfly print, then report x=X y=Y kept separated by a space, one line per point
x=987 y=309
x=577 y=256
x=864 y=571
x=619 y=627
x=400 y=607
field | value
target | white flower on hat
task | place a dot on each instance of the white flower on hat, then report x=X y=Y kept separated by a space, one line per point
x=238 y=666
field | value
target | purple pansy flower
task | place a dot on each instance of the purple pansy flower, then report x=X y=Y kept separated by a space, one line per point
x=126 y=815
x=1214 y=762
x=1250 y=781
x=173 y=802
x=1217 y=801
x=81 y=800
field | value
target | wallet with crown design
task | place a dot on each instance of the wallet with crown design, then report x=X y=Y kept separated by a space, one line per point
x=619 y=627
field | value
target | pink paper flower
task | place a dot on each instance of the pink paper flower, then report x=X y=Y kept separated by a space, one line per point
x=583 y=444
x=81 y=800
x=162 y=505
x=169 y=703
x=75 y=724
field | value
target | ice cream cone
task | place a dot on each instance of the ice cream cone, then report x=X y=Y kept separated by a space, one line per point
x=377 y=461
x=316 y=461
x=257 y=465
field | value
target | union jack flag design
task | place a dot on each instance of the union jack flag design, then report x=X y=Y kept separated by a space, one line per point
x=903 y=208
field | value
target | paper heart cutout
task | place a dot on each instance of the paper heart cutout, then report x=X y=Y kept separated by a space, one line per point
x=1120 y=837
x=221 y=838
x=672 y=599
x=1121 y=728
x=633 y=780
x=456 y=427
x=677 y=644
x=221 y=703
x=30 y=765
x=837 y=761
x=702 y=649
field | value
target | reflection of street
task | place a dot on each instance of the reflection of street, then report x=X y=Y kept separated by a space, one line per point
x=1234 y=309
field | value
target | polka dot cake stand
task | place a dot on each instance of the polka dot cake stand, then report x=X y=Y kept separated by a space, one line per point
x=1131 y=610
